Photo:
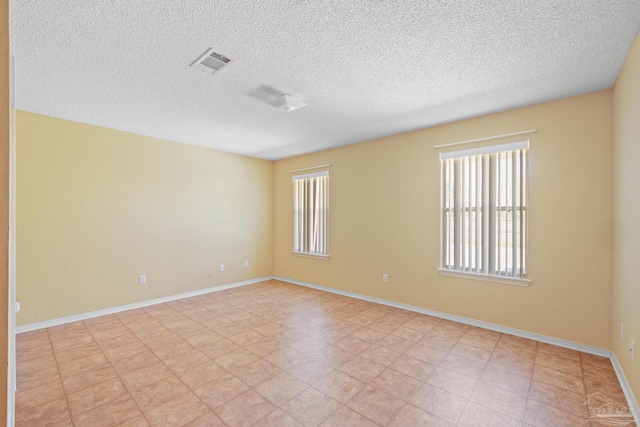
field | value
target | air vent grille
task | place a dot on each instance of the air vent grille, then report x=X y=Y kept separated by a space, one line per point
x=210 y=62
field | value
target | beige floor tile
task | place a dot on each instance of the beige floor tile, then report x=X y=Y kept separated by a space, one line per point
x=415 y=417
x=112 y=413
x=278 y=418
x=209 y=419
x=311 y=407
x=415 y=368
x=512 y=363
x=221 y=390
x=408 y=333
x=597 y=361
x=185 y=361
x=75 y=353
x=97 y=395
x=559 y=379
x=352 y=344
x=88 y=379
x=380 y=355
x=452 y=382
x=519 y=341
x=312 y=358
x=377 y=405
x=440 y=403
x=126 y=351
x=286 y=357
x=568 y=366
x=471 y=352
x=559 y=351
x=426 y=354
x=245 y=410
x=558 y=398
x=236 y=359
x=27 y=351
x=486 y=343
x=541 y=415
x=27 y=380
x=159 y=392
x=463 y=366
x=53 y=412
x=334 y=356
x=264 y=347
x=311 y=370
x=487 y=333
x=281 y=388
x=504 y=402
x=133 y=363
x=256 y=372
x=506 y=381
x=397 y=384
x=345 y=417
x=339 y=386
x=476 y=415
x=395 y=343
x=362 y=369
x=139 y=421
x=72 y=343
x=369 y=335
x=177 y=412
x=82 y=364
x=143 y=377
x=40 y=363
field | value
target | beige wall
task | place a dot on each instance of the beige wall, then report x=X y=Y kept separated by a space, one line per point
x=384 y=218
x=4 y=200
x=97 y=207
x=626 y=289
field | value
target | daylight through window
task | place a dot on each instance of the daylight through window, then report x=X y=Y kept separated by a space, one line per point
x=311 y=213
x=484 y=211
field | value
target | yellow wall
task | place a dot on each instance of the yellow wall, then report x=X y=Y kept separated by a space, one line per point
x=384 y=218
x=4 y=200
x=97 y=207
x=626 y=289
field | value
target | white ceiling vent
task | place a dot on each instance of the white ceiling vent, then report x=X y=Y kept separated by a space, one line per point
x=210 y=62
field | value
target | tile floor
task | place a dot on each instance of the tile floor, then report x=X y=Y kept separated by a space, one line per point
x=277 y=354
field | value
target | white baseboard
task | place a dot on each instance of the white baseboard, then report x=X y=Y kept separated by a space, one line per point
x=118 y=309
x=499 y=328
x=628 y=393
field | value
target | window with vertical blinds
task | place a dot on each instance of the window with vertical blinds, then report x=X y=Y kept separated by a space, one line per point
x=484 y=212
x=311 y=213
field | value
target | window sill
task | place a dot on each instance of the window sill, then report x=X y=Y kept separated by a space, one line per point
x=309 y=255
x=485 y=277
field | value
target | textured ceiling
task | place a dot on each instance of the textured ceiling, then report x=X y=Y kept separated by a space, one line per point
x=366 y=68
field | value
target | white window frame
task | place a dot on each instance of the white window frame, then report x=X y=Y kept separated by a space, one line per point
x=311 y=214
x=484 y=194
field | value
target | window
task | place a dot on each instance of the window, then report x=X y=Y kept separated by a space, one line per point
x=311 y=213
x=484 y=213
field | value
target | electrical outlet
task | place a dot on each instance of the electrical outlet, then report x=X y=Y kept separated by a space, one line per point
x=621 y=330
x=632 y=349
x=385 y=278
x=246 y=264
x=221 y=267
x=143 y=280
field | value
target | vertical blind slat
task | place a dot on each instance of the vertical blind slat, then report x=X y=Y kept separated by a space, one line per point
x=484 y=213
x=310 y=216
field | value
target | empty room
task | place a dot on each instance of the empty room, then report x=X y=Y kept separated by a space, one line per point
x=320 y=213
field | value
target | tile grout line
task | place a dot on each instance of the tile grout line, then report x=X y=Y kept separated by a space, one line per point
x=116 y=371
